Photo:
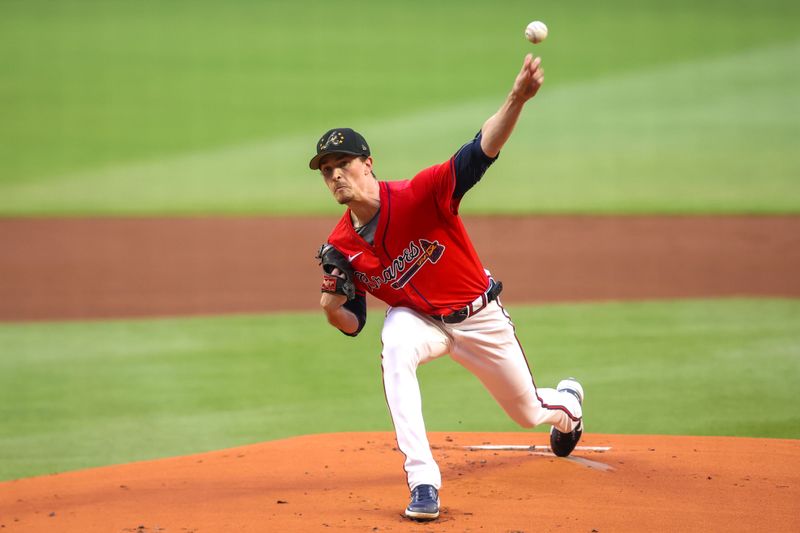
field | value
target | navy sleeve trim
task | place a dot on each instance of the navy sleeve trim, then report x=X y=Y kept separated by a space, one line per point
x=469 y=165
x=357 y=306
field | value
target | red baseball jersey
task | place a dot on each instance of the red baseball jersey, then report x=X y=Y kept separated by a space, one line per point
x=422 y=257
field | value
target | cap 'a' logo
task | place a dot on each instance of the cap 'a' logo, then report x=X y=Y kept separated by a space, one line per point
x=336 y=138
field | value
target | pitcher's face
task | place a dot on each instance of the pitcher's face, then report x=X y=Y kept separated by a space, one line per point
x=346 y=176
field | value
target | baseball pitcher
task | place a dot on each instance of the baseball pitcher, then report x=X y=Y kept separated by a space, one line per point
x=404 y=243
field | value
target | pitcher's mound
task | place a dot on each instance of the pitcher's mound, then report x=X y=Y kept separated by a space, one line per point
x=355 y=482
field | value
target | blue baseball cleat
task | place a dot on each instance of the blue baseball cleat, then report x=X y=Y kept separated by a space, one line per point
x=562 y=444
x=424 y=503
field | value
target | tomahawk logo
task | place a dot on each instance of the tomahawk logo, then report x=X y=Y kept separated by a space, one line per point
x=431 y=251
x=405 y=266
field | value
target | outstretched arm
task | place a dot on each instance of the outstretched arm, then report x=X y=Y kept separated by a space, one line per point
x=497 y=129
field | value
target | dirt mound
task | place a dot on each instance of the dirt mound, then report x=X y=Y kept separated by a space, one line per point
x=355 y=482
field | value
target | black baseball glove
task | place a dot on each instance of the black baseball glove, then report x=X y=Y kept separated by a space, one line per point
x=342 y=283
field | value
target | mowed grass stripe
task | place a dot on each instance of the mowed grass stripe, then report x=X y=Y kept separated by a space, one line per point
x=87 y=85
x=678 y=139
x=75 y=395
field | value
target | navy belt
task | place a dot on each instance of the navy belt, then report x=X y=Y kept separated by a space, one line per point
x=491 y=294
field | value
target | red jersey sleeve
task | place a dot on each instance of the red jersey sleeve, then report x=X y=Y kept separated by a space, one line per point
x=438 y=184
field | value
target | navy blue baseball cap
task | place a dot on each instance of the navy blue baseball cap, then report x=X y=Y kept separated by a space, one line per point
x=339 y=141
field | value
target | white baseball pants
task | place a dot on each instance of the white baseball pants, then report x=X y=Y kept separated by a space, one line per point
x=486 y=345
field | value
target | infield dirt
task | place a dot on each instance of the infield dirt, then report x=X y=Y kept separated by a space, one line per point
x=53 y=269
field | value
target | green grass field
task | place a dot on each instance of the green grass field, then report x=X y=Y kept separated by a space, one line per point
x=168 y=108
x=75 y=395
x=206 y=107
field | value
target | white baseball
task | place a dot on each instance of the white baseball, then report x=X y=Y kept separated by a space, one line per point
x=536 y=32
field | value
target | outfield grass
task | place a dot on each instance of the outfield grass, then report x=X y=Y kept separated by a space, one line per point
x=183 y=107
x=75 y=395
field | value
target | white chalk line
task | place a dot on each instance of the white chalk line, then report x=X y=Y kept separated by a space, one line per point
x=532 y=448
x=545 y=451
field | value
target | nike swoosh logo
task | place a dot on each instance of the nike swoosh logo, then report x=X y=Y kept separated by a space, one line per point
x=351 y=257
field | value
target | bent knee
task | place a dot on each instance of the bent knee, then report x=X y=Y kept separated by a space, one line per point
x=526 y=419
x=527 y=424
x=525 y=411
